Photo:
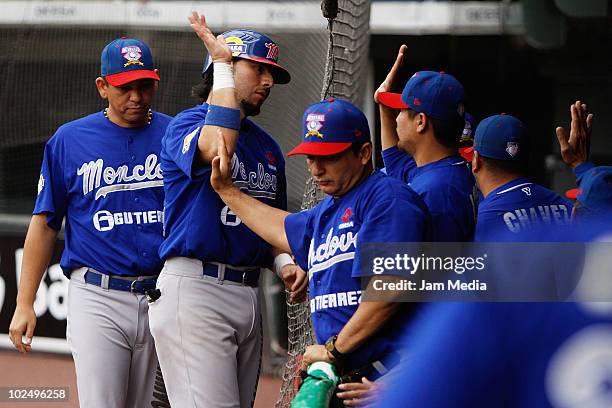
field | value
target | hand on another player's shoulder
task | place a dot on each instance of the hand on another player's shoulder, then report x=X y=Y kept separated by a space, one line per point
x=221 y=167
x=23 y=323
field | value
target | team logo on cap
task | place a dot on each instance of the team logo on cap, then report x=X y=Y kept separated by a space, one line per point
x=132 y=54
x=272 y=51
x=512 y=148
x=314 y=123
x=236 y=46
x=466 y=135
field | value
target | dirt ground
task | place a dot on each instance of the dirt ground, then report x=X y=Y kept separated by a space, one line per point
x=47 y=370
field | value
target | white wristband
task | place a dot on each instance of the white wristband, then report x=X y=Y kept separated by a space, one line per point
x=280 y=261
x=223 y=76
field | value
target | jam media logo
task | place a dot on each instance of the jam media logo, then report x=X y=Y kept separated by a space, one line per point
x=314 y=123
x=271 y=159
x=512 y=148
x=236 y=45
x=132 y=54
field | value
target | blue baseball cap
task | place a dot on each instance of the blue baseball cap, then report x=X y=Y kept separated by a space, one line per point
x=254 y=46
x=595 y=190
x=330 y=127
x=436 y=94
x=501 y=137
x=125 y=60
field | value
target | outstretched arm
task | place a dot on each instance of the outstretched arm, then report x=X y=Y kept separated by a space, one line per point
x=266 y=221
x=220 y=53
x=575 y=148
x=388 y=132
x=37 y=252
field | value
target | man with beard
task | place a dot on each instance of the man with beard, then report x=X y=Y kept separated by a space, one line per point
x=206 y=321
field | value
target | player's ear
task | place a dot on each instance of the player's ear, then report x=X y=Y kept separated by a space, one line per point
x=365 y=153
x=476 y=162
x=102 y=87
x=421 y=121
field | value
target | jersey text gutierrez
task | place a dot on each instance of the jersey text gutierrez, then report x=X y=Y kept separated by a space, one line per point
x=106 y=220
x=142 y=176
x=331 y=300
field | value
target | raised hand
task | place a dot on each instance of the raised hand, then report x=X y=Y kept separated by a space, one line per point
x=575 y=148
x=388 y=82
x=216 y=46
x=221 y=174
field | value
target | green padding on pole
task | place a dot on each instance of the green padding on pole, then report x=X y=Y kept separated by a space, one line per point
x=583 y=8
x=318 y=388
x=545 y=26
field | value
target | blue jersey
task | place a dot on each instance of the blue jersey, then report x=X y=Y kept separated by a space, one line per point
x=106 y=181
x=522 y=355
x=198 y=224
x=445 y=185
x=326 y=242
x=516 y=207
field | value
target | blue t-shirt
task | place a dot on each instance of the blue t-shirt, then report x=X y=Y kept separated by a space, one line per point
x=326 y=241
x=198 y=224
x=516 y=207
x=447 y=188
x=520 y=355
x=106 y=181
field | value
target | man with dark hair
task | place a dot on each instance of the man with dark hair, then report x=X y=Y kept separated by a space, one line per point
x=511 y=202
x=420 y=147
x=206 y=320
x=362 y=206
x=100 y=174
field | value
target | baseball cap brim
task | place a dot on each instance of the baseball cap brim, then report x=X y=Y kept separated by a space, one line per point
x=573 y=193
x=281 y=75
x=319 y=148
x=392 y=100
x=467 y=153
x=123 y=78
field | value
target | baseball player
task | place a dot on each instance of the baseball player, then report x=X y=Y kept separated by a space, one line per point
x=101 y=175
x=362 y=206
x=420 y=147
x=207 y=323
x=511 y=202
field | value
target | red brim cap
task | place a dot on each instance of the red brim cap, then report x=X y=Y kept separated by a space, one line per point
x=467 y=153
x=392 y=100
x=281 y=75
x=573 y=193
x=123 y=78
x=319 y=148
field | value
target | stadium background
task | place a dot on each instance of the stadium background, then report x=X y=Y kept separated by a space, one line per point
x=530 y=58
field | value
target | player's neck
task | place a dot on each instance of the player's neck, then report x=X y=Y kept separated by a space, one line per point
x=431 y=151
x=489 y=182
x=112 y=116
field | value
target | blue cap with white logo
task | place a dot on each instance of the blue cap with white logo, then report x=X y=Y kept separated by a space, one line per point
x=330 y=127
x=254 y=46
x=436 y=94
x=125 y=60
x=501 y=137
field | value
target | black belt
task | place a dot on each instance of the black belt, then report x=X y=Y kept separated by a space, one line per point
x=124 y=283
x=246 y=278
x=373 y=370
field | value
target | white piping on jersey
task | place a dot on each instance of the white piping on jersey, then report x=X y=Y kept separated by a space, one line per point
x=331 y=261
x=243 y=186
x=102 y=192
x=513 y=188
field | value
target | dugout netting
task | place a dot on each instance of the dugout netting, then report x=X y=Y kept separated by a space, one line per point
x=47 y=75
